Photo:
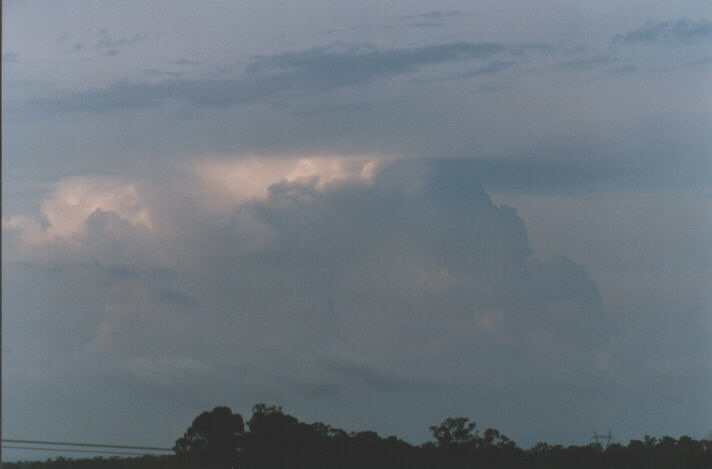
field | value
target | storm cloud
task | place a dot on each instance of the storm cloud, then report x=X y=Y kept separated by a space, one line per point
x=377 y=216
x=375 y=282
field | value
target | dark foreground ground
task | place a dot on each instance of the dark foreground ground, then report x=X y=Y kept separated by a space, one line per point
x=274 y=440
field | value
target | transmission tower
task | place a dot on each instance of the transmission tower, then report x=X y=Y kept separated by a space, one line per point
x=600 y=438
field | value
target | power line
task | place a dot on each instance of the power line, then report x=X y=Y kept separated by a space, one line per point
x=93 y=445
x=37 y=448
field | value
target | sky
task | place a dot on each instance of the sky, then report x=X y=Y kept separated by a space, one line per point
x=375 y=214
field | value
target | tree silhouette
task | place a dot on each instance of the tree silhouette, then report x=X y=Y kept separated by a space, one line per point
x=454 y=432
x=275 y=440
x=214 y=438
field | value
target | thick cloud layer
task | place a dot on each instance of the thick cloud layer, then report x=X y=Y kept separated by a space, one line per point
x=410 y=282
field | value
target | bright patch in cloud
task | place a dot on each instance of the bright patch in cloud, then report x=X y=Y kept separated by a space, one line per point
x=236 y=181
x=73 y=201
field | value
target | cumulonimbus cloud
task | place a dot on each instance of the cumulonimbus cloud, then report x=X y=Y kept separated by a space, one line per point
x=408 y=270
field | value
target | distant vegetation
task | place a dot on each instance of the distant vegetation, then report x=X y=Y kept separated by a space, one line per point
x=275 y=440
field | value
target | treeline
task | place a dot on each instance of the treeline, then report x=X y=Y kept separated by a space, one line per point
x=272 y=439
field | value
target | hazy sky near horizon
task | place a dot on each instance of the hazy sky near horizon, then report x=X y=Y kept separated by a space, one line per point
x=375 y=214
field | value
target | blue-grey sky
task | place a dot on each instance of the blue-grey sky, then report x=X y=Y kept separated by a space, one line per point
x=376 y=214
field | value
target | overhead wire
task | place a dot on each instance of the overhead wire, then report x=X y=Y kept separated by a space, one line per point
x=73 y=450
x=92 y=445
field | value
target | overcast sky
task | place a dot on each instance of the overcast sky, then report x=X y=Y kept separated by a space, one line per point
x=375 y=214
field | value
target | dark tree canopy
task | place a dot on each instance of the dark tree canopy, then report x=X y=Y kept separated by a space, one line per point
x=454 y=431
x=275 y=440
x=215 y=437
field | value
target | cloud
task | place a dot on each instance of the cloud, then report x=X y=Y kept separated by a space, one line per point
x=235 y=181
x=436 y=15
x=490 y=68
x=132 y=320
x=585 y=63
x=318 y=287
x=431 y=19
x=350 y=65
x=77 y=204
x=164 y=371
x=319 y=69
x=684 y=31
x=343 y=236
x=104 y=40
x=373 y=378
x=247 y=273
x=334 y=286
x=164 y=73
x=422 y=243
x=537 y=174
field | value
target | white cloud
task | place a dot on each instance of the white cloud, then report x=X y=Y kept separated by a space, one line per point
x=66 y=211
x=228 y=182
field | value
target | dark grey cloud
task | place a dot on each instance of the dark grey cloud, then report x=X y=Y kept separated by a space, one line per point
x=431 y=19
x=319 y=69
x=425 y=245
x=184 y=61
x=380 y=381
x=436 y=15
x=162 y=73
x=537 y=174
x=104 y=40
x=571 y=170
x=319 y=390
x=584 y=63
x=489 y=69
x=348 y=64
x=425 y=24
x=684 y=31
x=345 y=65
x=530 y=47
x=357 y=107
